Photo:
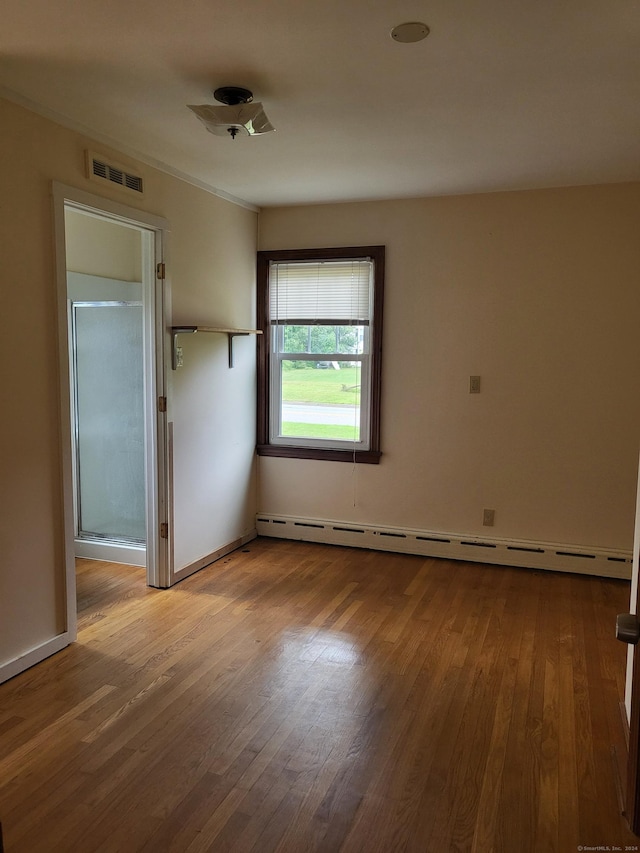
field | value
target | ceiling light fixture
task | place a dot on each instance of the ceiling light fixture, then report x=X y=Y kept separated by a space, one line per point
x=237 y=116
x=410 y=32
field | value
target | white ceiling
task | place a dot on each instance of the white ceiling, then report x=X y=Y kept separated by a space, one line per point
x=504 y=94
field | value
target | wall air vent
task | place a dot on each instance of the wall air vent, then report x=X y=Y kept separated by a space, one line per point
x=100 y=170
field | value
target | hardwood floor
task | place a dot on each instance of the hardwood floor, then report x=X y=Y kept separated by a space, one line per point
x=297 y=697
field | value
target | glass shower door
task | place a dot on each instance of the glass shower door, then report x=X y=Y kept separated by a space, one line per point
x=109 y=428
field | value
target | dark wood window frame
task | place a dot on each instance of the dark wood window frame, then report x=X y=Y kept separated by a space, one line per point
x=264 y=448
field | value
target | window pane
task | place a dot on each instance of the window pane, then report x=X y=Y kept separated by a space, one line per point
x=321 y=339
x=321 y=400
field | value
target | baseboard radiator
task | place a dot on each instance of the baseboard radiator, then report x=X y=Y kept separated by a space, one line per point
x=482 y=549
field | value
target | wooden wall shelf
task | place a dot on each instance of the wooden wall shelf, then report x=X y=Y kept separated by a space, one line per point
x=176 y=355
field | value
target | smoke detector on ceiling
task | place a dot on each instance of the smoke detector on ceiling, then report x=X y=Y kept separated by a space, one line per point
x=410 y=32
x=238 y=115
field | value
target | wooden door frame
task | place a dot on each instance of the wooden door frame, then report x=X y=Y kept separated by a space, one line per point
x=632 y=693
x=632 y=792
x=632 y=799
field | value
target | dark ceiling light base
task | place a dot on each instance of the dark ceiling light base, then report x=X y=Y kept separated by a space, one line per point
x=233 y=95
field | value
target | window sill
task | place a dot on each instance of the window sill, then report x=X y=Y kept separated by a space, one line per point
x=367 y=457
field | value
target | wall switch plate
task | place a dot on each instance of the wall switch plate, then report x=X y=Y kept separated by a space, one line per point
x=488 y=517
x=474 y=384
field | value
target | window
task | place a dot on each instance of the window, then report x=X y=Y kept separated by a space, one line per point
x=319 y=358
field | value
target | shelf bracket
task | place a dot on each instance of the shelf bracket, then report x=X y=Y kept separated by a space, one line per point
x=176 y=360
x=230 y=337
x=175 y=331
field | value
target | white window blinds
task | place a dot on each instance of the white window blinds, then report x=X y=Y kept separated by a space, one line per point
x=321 y=292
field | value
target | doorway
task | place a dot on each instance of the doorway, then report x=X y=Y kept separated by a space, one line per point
x=112 y=335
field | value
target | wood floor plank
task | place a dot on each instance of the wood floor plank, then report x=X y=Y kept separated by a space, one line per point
x=296 y=697
x=519 y=789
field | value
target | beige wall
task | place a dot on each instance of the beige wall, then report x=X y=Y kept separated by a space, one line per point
x=98 y=247
x=211 y=264
x=212 y=407
x=538 y=293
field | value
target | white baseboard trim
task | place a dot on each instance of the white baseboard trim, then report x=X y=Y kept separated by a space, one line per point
x=203 y=562
x=33 y=656
x=112 y=552
x=453 y=546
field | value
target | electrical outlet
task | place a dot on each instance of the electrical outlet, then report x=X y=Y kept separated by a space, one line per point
x=488 y=517
x=474 y=384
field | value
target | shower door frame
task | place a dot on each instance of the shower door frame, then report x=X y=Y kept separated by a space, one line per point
x=129 y=550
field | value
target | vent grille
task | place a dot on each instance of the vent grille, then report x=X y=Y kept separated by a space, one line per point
x=100 y=169
x=133 y=182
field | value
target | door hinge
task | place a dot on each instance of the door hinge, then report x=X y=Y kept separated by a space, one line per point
x=162 y=404
x=164 y=530
x=160 y=270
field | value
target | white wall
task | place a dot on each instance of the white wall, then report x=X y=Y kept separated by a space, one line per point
x=536 y=292
x=211 y=264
